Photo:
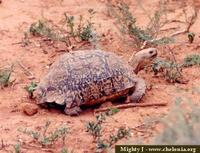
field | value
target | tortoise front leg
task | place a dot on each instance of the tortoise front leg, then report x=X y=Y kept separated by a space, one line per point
x=74 y=111
x=139 y=91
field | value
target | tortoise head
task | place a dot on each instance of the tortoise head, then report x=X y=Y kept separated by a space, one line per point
x=142 y=58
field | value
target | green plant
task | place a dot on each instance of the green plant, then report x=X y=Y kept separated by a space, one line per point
x=191 y=60
x=46 y=29
x=5 y=74
x=169 y=69
x=126 y=23
x=69 y=21
x=40 y=28
x=45 y=139
x=17 y=148
x=87 y=31
x=113 y=139
x=121 y=133
x=101 y=146
x=84 y=31
x=111 y=111
x=31 y=88
x=95 y=129
x=64 y=150
x=68 y=32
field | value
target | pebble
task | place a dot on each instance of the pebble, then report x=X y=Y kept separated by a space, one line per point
x=29 y=109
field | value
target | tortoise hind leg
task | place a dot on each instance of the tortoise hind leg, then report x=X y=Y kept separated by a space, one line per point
x=74 y=111
x=139 y=91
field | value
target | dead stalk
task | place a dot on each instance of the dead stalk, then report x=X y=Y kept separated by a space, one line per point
x=123 y=106
x=188 y=21
x=26 y=71
x=174 y=59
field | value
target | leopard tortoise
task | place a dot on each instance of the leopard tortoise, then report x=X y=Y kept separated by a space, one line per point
x=88 y=77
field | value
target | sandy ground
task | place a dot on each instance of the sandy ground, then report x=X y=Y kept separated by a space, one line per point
x=17 y=15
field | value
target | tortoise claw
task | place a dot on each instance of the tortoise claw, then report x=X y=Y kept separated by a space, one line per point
x=73 y=111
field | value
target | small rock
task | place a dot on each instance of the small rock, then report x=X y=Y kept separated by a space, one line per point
x=29 y=109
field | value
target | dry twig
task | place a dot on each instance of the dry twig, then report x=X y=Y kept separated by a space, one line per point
x=122 y=106
x=30 y=146
x=188 y=21
x=26 y=71
x=174 y=59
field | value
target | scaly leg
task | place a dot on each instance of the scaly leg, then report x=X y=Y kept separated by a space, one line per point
x=73 y=111
x=139 y=91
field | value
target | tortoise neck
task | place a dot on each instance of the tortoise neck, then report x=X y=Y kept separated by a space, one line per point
x=135 y=63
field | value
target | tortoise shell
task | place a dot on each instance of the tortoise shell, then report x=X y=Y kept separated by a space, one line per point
x=85 y=78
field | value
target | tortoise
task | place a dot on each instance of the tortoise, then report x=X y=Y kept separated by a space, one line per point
x=88 y=77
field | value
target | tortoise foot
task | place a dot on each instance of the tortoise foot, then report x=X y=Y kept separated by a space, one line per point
x=73 y=111
x=139 y=92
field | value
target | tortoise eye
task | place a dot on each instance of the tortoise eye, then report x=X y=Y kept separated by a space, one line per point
x=151 y=52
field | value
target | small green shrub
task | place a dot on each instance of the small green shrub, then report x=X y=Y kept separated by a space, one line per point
x=5 y=74
x=46 y=29
x=40 y=28
x=42 y=138
x=113 y=139
x=69 y=21
x=101 y=145
x=126 y=23
x=95 y=129
x=31 y=88
x=121 y=133
x=17 y=148
x=191 y=60
x=111 y=111
x=170 y=70
x=84 y=31
x=68 y=32
x=64 y=150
